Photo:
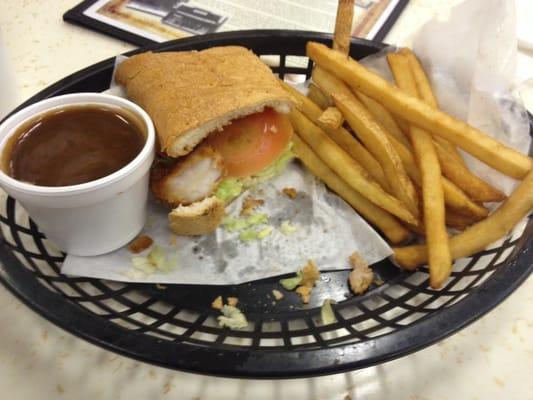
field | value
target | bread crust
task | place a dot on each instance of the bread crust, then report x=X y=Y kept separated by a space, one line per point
x=200 y=218
x=190 y=94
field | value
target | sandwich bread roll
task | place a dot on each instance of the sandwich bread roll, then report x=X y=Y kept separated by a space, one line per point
x=191 y=95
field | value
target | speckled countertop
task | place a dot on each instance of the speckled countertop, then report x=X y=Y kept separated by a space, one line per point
x=491 y=359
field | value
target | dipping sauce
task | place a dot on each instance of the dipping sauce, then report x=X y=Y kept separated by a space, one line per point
x=73 y=145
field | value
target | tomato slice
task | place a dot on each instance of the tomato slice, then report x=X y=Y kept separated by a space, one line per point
x=251 y=143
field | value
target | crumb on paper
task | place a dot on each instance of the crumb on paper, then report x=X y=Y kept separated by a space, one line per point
x=173 y=240
x=167 y=387
x=361 y=275
x=303 y=282
x=326 y=313
x=356 y=261
x=290 y=192
x=277 y=294
x=249 y=204
x=232 y=318
x=305 y=293
x=310 y=274
x=140 y=243
x=233 y=301
x=287 y=228
x=217 y=304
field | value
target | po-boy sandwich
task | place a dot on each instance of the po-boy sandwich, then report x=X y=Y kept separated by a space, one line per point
x=222 y=126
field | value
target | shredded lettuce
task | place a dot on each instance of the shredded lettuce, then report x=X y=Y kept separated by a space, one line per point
x=238 y=224
x=156 y=257
x=234 y=224
x=155 y=261
x=291 y=283
x=256 y=219
x=248 y=235
x=135 y=274
x=230 y=188
x=263 y=233
x=232 y=318
x=143 y=264
x=287 y=229
x=326 y=313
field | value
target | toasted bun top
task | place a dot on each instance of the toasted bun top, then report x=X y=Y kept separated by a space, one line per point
x=193 y=93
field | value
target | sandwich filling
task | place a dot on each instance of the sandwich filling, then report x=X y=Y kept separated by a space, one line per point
x=251 y=149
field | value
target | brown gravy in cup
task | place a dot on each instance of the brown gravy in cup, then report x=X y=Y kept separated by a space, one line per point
x=73 y=145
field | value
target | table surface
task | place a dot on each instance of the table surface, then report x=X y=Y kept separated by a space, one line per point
x=492 y=358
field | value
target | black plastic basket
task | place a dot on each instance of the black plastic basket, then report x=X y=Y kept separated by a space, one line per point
x=176 y=327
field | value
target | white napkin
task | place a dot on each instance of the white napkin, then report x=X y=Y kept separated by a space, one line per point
x=327 y=231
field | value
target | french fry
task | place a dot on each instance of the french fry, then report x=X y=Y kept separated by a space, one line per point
x=384 y=117
x=316 y=95
x=343 y=26
x=341 y=136
x=385 y=222
x=372 y=136
x=402 y=123
x=470 y=139
x=475 y=187
x=329 y=83
x=346 y=167
x=377 y=142
x=454 y=197
x=440 y=262
x=457 y=221
x=426 y=94
x=332 y=118
x=478 y=236
x=453 y=220
x=452 y=164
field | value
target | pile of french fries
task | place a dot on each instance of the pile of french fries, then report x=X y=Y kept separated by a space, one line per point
x=391 y=154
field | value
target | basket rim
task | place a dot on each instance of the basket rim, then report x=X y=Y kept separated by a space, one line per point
x=259 y=363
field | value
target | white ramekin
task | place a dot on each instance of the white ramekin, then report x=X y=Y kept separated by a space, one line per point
x=90 y=218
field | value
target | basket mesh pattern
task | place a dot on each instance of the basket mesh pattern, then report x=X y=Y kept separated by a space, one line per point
x=181 y=315
x=148 y=309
